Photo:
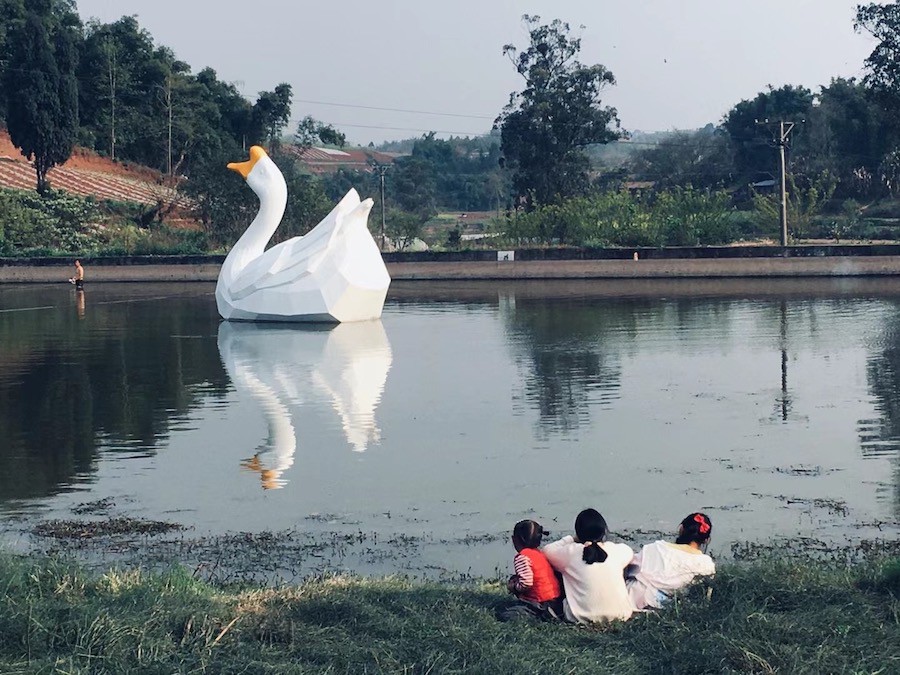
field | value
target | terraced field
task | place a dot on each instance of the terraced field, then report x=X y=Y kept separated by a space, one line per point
x=20 y=175
x=88 y=174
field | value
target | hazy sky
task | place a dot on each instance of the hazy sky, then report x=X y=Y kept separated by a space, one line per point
x=679 y=64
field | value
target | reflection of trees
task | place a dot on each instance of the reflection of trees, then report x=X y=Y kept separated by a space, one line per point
x=574 y=345
x=564 y=343
x=119 y=378
x=882 y=437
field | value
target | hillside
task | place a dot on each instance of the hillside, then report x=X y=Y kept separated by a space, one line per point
x=87 y=174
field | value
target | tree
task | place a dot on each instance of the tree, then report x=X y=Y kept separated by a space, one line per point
x=271 y=114
x=805 y=199
x=752 y=142
x=849 y=136
x=883 y=23
x=403 y=229
x=545 y=127
x=311 y=131
x=13 y=13
x=698 y=158
x=42 y=117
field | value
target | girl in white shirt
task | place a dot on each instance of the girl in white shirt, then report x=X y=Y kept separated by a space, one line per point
x=661 y=568
x=592 y=571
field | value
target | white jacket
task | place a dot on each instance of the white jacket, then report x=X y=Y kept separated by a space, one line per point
x=594 y=592
x=663 y=568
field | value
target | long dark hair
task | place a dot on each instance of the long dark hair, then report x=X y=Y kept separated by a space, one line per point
x=528 y=533
x=696 y=528
x=590 y=526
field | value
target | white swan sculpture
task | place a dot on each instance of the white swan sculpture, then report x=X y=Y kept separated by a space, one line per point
x=333 y=273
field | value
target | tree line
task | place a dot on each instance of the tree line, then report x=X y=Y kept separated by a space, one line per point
x=110 y=88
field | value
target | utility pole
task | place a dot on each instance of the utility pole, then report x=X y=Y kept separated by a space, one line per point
x=781 y=140
x=382 y=169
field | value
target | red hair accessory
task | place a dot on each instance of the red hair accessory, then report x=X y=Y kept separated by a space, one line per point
x=704 y=526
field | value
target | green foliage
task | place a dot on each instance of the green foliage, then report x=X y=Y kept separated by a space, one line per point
x=751 y=136
x=54 y=222
x=460 y=174
x=58 y=223
x=545 y=127
x=699 y=158
x=689 y=217
x=271 y=114
x=42 y=117
x=311 y=131
x=804 y=203
x=677 y=217
x=882 y=22
x=402 y=228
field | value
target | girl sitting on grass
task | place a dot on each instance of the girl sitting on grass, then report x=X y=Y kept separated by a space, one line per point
x=592 y=571
x=661 y=568
x=534 y=582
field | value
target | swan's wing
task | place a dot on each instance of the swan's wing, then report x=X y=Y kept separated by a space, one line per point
x=293 y=252
x=297 y=258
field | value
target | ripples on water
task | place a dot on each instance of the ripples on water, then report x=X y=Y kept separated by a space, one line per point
x=468 y=407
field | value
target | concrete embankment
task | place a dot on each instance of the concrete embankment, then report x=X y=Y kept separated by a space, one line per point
x=722 y=262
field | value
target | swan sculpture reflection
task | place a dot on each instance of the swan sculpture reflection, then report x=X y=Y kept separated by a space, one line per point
x=283 y=367
x=334 y=273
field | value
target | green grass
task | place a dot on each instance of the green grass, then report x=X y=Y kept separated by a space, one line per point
x=767 y=616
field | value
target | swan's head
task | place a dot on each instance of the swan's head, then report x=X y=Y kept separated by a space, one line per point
x=259 y=171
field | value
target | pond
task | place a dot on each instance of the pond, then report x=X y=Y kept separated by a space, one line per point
x=415 y=443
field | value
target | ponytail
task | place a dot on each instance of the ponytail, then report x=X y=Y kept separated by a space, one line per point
x=590 y=527
x=593 y=553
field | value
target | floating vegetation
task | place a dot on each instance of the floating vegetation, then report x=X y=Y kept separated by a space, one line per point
x=90 y=529
x=94 y=508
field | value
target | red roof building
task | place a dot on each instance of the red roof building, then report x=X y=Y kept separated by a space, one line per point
x=329 y=160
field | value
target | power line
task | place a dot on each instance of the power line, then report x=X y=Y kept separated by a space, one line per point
x=403 y=110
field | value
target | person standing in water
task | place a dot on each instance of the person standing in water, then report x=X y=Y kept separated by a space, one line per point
x=78 y=279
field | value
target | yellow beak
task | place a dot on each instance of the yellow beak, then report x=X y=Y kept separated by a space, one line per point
x=244 y=168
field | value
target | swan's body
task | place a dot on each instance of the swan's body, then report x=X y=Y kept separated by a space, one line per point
x=333 y=273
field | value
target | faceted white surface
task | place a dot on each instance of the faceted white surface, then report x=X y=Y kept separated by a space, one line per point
x=334 y=273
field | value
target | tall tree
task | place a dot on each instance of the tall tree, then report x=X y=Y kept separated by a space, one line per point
x=752 y=142
x=311 y=131
x=545 y=127
x=12 y=14
x=271 y=114
x=882 y=22
x=42 y=116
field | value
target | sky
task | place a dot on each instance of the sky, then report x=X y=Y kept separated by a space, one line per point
x=678 y=64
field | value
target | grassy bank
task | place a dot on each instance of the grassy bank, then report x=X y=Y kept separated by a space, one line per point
x=762 y=617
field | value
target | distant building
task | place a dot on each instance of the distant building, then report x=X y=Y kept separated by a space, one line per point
x=764 y=186
x=329 y=160
x=637 y=187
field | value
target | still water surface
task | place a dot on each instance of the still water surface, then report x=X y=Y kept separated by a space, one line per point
x=773 y=406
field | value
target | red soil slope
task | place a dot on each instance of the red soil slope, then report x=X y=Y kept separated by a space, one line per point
x=86 y=173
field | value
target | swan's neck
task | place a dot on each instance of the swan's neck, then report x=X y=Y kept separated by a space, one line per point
x=253 y=242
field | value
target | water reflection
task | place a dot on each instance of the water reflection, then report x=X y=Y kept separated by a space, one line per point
x=881 y=436
x=566 y=349
x=73 y=385
x=283 y=367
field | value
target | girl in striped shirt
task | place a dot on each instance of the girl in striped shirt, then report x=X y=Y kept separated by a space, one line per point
x=534 y=583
